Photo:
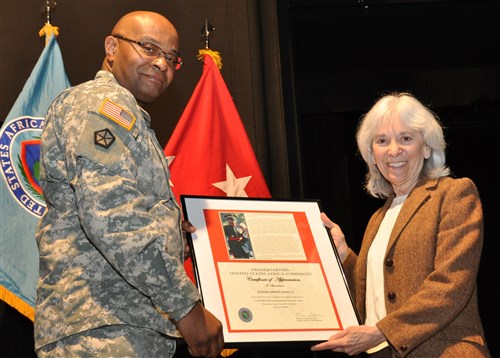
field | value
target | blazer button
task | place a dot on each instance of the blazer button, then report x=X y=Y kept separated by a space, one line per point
x=389 y=262
x=391 y=295
x=403 y=348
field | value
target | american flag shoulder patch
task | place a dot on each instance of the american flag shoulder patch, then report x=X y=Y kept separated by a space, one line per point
x=117 y=114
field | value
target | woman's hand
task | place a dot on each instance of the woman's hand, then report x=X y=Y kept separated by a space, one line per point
x=353 y=340
x=337 y=235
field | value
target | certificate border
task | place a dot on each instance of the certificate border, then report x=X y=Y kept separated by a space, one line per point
x=193 y=205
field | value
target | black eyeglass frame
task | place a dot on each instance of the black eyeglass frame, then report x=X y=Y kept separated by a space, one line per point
x=169 y=57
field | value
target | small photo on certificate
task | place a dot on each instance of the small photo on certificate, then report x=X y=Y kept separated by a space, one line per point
x=236 y=235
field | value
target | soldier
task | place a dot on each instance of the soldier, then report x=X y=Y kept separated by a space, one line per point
x=112 y=281
x=237 y=238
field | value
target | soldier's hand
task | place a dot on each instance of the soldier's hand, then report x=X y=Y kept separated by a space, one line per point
x=190 y=228
x=202 y=332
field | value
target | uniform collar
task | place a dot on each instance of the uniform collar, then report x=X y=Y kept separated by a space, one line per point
x=104 y=75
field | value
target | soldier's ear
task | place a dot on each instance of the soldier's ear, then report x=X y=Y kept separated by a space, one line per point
x=110 y=46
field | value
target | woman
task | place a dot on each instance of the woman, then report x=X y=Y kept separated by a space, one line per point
x=414 y=279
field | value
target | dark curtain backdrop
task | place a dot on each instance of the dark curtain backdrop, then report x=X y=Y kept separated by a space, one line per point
x=346 y=54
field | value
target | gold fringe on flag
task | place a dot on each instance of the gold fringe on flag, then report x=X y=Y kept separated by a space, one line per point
x=214 y=54
x=17 y=303
x=227 y=352
x=48 y=30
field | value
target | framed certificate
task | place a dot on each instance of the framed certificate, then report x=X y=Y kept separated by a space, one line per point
x=268 y=269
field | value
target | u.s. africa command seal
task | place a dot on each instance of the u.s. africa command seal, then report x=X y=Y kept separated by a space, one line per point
x=245 y=314
x=20 y=161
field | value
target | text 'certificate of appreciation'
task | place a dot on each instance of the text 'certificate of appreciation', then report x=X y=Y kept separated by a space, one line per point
x=268 y=269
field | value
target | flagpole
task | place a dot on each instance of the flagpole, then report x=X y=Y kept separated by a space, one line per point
x=206 y=31
x=47 y=10
x=48 y=30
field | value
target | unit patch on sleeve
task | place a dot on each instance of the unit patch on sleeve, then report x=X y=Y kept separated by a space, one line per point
x=117 y=114
x=104 y=138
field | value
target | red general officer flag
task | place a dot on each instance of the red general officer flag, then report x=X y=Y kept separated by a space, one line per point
x=209 y=152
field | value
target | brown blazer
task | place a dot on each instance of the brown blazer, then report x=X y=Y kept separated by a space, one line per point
x=430 y=274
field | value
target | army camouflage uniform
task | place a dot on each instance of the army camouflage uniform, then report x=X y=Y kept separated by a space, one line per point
x=110 y=241
x=118 y=341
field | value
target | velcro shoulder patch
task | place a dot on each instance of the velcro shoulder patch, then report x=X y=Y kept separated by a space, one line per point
x=117 y=114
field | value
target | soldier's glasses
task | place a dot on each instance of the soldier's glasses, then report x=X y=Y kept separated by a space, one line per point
x=152 y=51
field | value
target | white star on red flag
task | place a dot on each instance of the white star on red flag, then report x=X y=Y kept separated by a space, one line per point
x=233 y=186
x=170 y=159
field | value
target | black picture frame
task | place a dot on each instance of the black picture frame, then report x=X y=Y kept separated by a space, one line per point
x=277 y=279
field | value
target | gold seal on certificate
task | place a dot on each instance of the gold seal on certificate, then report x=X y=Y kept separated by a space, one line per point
x=245 y=314
x=268 y=269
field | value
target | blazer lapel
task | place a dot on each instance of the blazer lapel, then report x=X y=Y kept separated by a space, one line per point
x=418 y=196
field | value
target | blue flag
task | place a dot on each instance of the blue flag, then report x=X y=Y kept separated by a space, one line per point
x=21 y=199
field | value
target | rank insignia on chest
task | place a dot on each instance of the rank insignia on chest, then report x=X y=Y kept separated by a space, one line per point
x=104 y=138
x=117 y=114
